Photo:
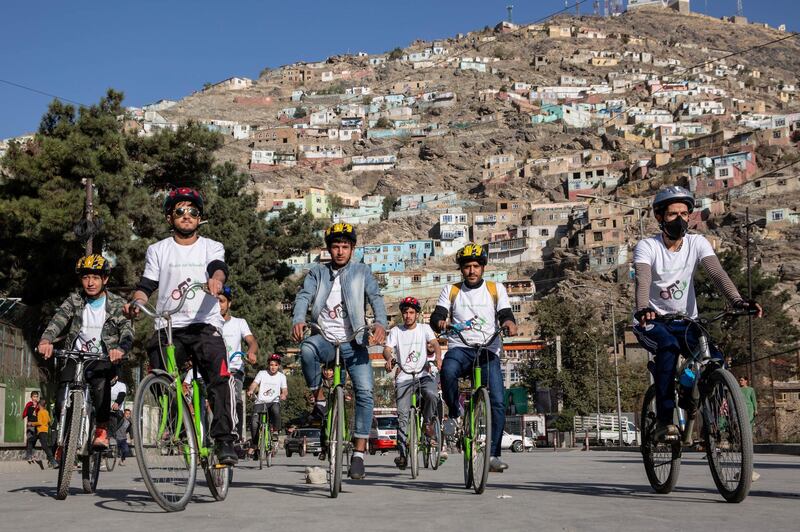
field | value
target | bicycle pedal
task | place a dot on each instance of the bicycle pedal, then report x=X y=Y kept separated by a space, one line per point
x=220 y=466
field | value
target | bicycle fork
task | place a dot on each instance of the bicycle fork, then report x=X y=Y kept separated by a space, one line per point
x=469 y=434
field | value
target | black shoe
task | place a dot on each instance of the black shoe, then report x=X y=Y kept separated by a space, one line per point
x=401 y=462
x=226 y=453
x=357 y=468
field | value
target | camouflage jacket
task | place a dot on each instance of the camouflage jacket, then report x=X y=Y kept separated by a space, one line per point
x=117 y=330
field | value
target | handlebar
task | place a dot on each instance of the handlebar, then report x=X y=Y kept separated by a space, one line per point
x=451 y=330
x=336 y=341
x=724 y=314
x=78 y=355
x=394 y=363
x=167 y=314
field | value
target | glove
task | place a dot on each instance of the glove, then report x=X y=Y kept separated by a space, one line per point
x=743 y=304
x=639 y=314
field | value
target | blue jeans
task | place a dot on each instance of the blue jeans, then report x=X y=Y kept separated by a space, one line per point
x=667 y=340
x=315 y=350
x=458 y=363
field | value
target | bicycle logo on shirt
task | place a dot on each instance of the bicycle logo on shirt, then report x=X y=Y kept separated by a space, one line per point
x=412 y=357
x=182 y=288
x=674 y=291
x=90 y=346
x=337 y=312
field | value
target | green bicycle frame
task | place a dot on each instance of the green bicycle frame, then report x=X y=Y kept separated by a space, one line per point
x=337 y=382
x=476 y=384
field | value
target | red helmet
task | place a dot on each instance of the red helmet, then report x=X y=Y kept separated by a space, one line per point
x=410 y=302
x=276 y=357
x=177 y=195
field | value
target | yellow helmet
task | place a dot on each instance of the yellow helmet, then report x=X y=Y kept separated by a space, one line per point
x=473 y=252
x=340 y=230
x=96 y=264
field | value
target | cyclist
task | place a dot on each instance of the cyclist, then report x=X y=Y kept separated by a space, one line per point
x=664 y=267
x=272 y=389
x=171 y=266
x=483 y=305
x=408 y=345
x=96 y=323
x=337 y=294
x=118 y=393
x=233 y=332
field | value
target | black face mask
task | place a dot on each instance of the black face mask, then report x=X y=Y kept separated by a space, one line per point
x=675 y=229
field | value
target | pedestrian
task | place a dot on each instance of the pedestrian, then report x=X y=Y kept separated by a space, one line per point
x=42 y=431
x=121 y=435
x=29 y=414
x=752 y=408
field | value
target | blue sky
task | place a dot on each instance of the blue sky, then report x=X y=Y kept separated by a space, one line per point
x=166 y=49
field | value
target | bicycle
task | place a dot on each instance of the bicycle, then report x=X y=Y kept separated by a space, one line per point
x=726 y=430
x=168 y=442
x=336 y=427
x=476 y=432
x=433 y=455
x=76 y=426
x=417 y=441
x=266 y=445
x=110 y=454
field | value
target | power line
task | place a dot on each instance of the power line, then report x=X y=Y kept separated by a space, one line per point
x=43 y=93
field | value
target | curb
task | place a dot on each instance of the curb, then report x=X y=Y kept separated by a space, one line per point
x=758 y=448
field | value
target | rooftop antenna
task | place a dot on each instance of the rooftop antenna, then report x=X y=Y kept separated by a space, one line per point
x=739 y=8
x=596 y=8
x=510 y=8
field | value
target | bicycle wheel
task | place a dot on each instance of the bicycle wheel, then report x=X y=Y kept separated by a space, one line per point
x=263 y=434
x=481 y=440
x=466 y=433
x=728 y=435
x=70 y=447
x=90 y=471
x=336 y=442
x=110 y=456
x=218 y=476
x=166 y=451
x=270 y=448
x=435 y=446
x=412 y=442
x=662 y=461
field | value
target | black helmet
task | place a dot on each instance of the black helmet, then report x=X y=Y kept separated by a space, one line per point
x=669 y=195
x=472 y=252
x=177 y=195
x=340 y=230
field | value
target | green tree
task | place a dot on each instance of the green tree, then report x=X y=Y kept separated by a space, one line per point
x=395 y=54
x=388 y=205
x=383 y=123
x=300 y=112
x=335 y=203
x=297 y=403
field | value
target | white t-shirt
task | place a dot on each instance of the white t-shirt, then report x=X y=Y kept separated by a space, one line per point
x=672 y=290
x=118 y=388
x=269 y=386
x=175 y=268
x=233 y=332
x=333 y=318
x=476 y=305
x=92 y=320
x=410 y=348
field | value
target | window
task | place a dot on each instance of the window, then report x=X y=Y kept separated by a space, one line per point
x=598 y=236
x=776 y=134
x=544 y=232
x=724 y=172
x=416 y=279
x=412 y=246
x=449 y=278
x=516 y=307
x=600 y=173
x=776 y=216
x=610 y=260
x=437 y=278
x=576 y=175
x=504 y=206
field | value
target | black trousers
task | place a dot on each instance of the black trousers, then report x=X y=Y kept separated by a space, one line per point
x=273 y=418
x=202 y=344
x=98 y=375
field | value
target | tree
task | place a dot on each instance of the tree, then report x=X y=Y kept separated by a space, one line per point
x=297 y=403
x=388 y=205
x=383 y=123
x=300 y=112
x=396 y=54
x=335 y=203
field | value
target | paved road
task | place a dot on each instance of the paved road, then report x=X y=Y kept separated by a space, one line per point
x=548 y=491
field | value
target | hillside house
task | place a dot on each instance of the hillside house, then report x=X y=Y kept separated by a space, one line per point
x=373 y=163
x=602 y=241
x=559 y=32
x=369 y=210
x=233 y=84
x=426 y=285
x=715 y=174
x=498 y=165
x=782 y=217
x=453 y=232
x=395 y=256
x=599 y=179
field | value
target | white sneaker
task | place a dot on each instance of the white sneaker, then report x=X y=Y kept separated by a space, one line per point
x=756 y=476
x=496 y=465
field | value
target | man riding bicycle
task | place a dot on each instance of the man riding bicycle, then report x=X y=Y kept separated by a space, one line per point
x=484 y=305
x=171 y=266
x=96 y=324
x=408 y=344
x=337 y=294
x=272 y=389
x=664 y=267
x=233 y=332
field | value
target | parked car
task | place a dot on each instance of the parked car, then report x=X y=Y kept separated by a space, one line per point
x=516 y=443
x=383 y=436
x=302 y=441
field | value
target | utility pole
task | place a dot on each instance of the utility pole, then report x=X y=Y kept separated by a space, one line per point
x=739 y=8
x=616 y=371
x=749 y=296
x=560 y=399
x=89 y=215
x=510 y=8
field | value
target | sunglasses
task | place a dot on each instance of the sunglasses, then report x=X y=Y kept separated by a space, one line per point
x=194 y=212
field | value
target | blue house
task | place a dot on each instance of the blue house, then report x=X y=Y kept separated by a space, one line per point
x=394 y=257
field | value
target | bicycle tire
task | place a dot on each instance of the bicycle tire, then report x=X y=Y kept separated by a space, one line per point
x=412 y=442
x=168 y=465
x=662 y=461
x=218 y=477
x=262 y=445
x=728 y=438
x=467 y=449
x=90 y=471
x=270 y=448
x=435 y=450
x=110 y=457
x=70 y=447
x=482 y=439
x=336 y=443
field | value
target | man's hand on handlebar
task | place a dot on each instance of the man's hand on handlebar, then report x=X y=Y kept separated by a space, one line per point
x=45 y=348
x=644 y=315
x=214 y=286
x=115 y=355
x=378 y=335
x=297 y=331
x=751 y=306
x=130 y=309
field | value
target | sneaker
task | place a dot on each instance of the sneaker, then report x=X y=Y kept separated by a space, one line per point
x=322 y=456
x=496 y=465
x=401 y=462
x=54 y=464
x=100 y=438
x=755 y=476
x=666 y=432
x=226 y=453
x=357 y=468
x=442 y=457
